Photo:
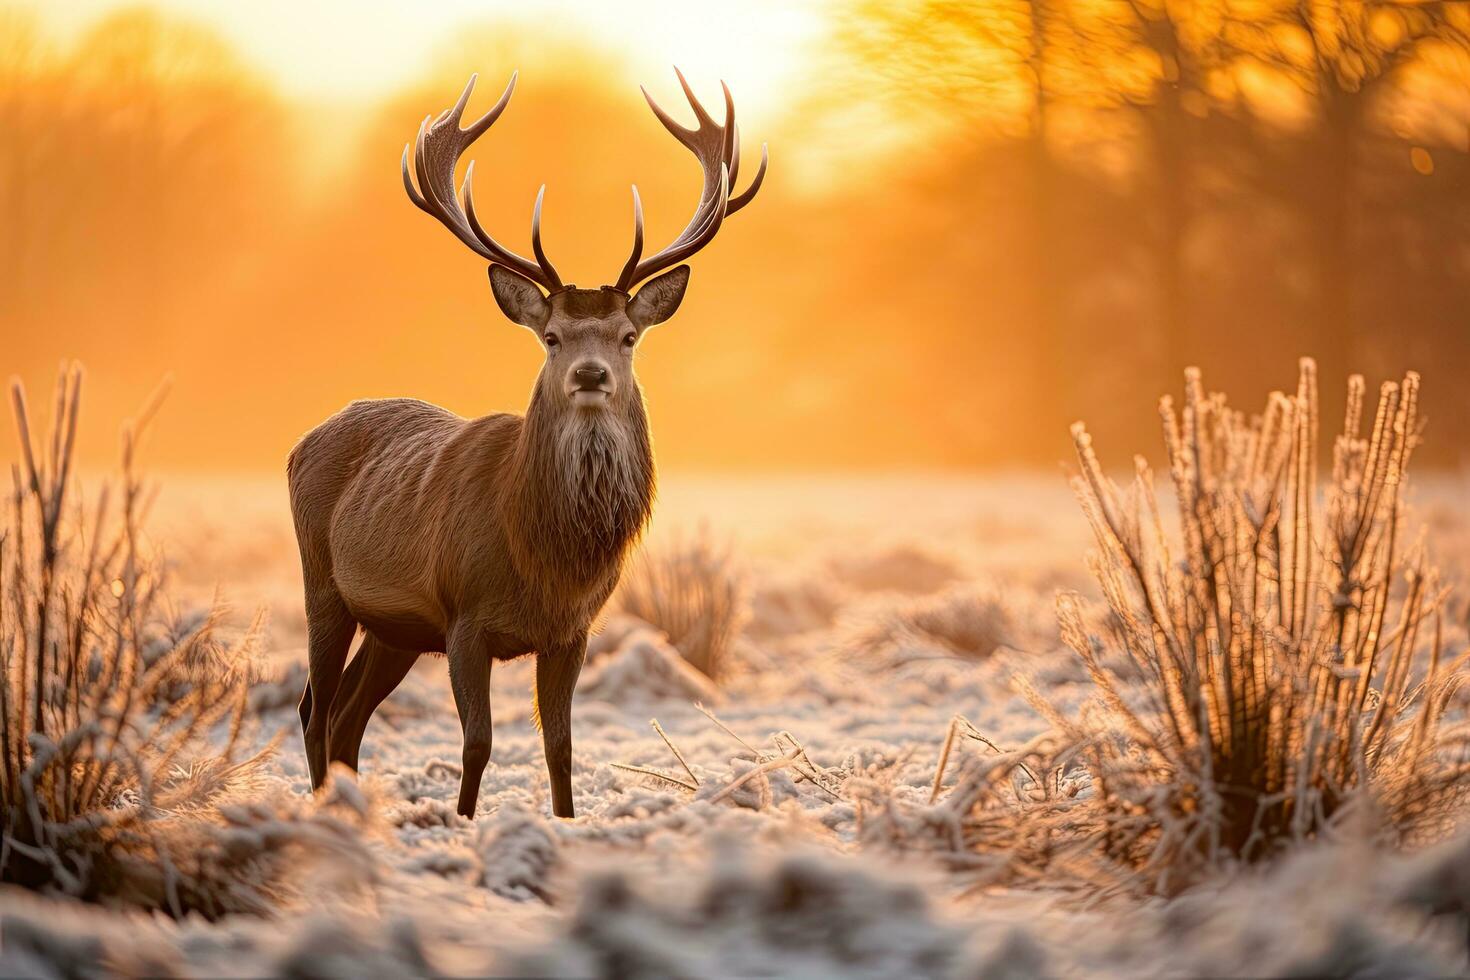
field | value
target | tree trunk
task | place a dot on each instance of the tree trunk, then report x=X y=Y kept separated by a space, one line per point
x=1336 y=334
x=1173 y=185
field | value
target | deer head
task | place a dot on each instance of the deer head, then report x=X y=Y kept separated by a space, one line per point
x=589 y=334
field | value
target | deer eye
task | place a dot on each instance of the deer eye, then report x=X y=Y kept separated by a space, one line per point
x=552 y=340
x=630 y=340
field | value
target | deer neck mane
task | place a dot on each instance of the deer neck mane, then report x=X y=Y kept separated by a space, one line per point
x=581 y=489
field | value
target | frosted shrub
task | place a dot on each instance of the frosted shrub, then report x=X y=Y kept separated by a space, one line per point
x=110 y=786
x=1286 y=655
x=1289 y=639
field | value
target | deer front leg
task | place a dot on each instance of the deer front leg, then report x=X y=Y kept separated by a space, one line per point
x=469 y=677
x=556 y=678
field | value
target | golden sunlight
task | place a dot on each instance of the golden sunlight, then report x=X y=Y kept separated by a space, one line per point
x=1065 y=204
x=364 y=50
x=742 y=471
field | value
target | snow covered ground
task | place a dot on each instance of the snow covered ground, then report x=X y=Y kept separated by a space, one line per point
x=877 y=610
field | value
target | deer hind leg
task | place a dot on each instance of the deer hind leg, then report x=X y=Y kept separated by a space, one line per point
x=329 y=631
x=556 y=678
x=469 y=677
x=371 y=676
x=304 y=707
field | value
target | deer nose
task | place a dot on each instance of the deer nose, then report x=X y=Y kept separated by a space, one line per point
x=591 y=377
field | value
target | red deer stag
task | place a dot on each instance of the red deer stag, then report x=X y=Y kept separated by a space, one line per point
x=492 y=538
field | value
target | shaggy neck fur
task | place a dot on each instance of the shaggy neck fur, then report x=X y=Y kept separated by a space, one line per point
x=582 y=490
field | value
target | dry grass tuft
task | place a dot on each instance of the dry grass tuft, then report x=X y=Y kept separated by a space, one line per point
x=1289 y=641
x=119 y=732
x=1289 y=657
x=959 y=622
x=693 y=592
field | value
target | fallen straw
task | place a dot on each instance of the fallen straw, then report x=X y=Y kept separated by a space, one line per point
x=760 y=770
x=655 y=774
x=672 y=748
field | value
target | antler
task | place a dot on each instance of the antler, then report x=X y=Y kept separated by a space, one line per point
x=717 y=148
x=437 y=150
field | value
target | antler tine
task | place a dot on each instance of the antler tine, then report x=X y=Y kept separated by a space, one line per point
x=727 y=153
x=681 y=133
x=477 y=128
x=467 y=192
x=541 y=258
x=456 y=111
x=437 y=149
x=637 y=253
x=746 y=196
x=735 y=156
x=413 y=192
x=716 y=147
x=700 y=115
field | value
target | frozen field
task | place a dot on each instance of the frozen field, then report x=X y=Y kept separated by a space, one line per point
x=782 y=875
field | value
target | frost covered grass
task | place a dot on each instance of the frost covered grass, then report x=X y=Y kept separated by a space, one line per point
x=122 y=772
x=865 y=792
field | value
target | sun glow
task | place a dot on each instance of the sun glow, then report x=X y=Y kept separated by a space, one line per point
x=362 y=50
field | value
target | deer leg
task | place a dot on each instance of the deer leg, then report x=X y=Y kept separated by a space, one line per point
x=469 y=678
x=371 y=676
x=556 y=678
x=329 y=631
x=303 y=708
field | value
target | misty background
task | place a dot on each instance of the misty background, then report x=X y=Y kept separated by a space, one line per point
x=982 y=221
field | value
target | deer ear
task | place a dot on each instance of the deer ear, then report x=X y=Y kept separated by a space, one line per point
x=659 y=298
x=520 y=299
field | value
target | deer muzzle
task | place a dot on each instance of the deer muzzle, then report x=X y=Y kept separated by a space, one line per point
x=591 y=384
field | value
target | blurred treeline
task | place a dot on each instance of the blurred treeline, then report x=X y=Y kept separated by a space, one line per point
x=984 y=219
